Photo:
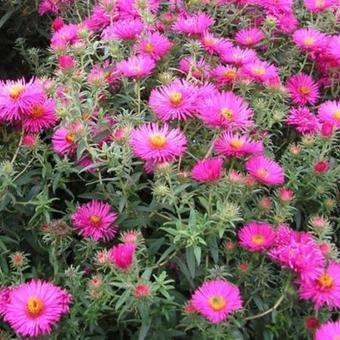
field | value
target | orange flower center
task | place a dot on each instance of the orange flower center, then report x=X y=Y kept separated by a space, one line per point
x=326 y=281
x=229 y=74
x=320 y=3
x=158 y=140
x=37 y=111
x=70 y=137
x=260 y=71
x=258 y=239
x=305 y=90
x=337 y=115
x=336 y=337
x=35 y=306
x=262 y=172
x=176 y=98
x=217 y=302
x=249 y=40
x=136 y=68
x=309 y=41
x=227 y=113
x=149 y=47
x=209 y=41
x=95 y=219
x=16 y=90
x=236 y=143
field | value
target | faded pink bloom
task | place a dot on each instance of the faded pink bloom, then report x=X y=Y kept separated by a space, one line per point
x=136 y=67
x=303 y=120
x=122 y=255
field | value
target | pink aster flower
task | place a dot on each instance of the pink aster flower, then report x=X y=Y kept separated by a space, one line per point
x=122 y=255
x=260 y=71
x=309 y=39
x=174 y=101
x=154 y=143
x=318 y=5
x=40 y=116
x=216 y=299
x=195 y=24
x=64 y=139
x=328 y=331
x=128 y=29
x=329 y=112
x=64 y=37
x=299 y=252
x=213 y=44
x=236 y=145
x=207 y=170
x=249 y=36
x=303 y=120
x=53 y=6
x=302 y=89
x=239 y=56
x=224 y=74
x=325 y=289
x=265 y=170
x=95 y=220
x=154 y=44
x=133 y=8
x=256 y=236
x=33 y=308
x=199 y=69
x=136 y=67
x=225 y=110
x=16 y=97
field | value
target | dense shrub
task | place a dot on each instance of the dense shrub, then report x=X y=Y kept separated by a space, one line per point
x=175 y=175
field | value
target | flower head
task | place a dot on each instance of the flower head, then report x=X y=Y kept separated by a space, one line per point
x=207 y=170
x=303 y=120
x=318 y=5
x=309 y=39
x=265 y=170
x=195 y=24
x=328 y=331
x=127 y=29
x=33 y=308
x=64 y=139
x=302 y=89
x=95 y=220
x=154 y=143
x=249 y=36
x=260 y=71
x=237 y=145
x=139 y=66
x=329 y=112
x=238 y=56
x=224 y=74
x=122 y=255
x=216 y=299
x=256 y=236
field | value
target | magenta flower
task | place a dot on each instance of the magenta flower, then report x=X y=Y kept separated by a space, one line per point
x=153 y=44
x=309 y=39
x=303 y=120
x=174 y=101
x=212 y=44
x=224 y=74
x=136 y=67
x=260 y=71
x=328 y=331
x=236 y=145
x=265 y=170
x=199 y=69
x=239 y=56
x=303 y=89
x=256 y=236
x=122 y=255
x=154 y=143
x=329 y=112
x=128 y=29
x=95 y=220
x=33 y=308
x=325 y=289
x=40 y=116
x=249 y=36
x=207 y=170
x=196 y=24
x=225 y=110
x=16 y=97
x=319 y=5
x=216 y=299
x=64 y=139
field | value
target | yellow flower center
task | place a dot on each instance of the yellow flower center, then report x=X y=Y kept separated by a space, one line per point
x=262 y=173
x=37 y=111
x=95 y=219
x=229 y=74
x=136 y=68
x=16 y=90
x=320 y=3
x=236 y=143
x=305 y=90
x=227 y=113
x=149 y=47
x=258 y=239
x=176 y=98
x=70 y=137
x=309 y=41
x=35 y=306
x=260 y=71
x=326 y=281
x=217 y=302
x=158 y=140
x=337 y=115
x=249 y=40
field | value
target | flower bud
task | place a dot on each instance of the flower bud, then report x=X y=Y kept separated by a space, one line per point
x=326 y=130
x=321 y=167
